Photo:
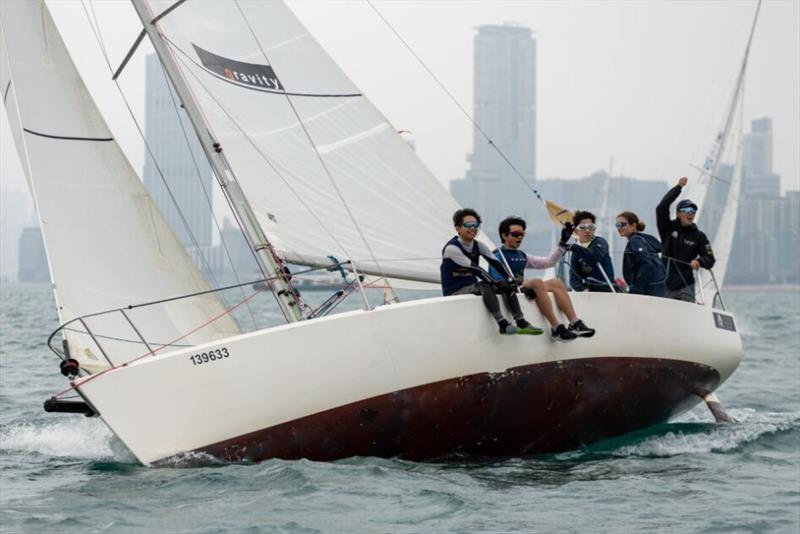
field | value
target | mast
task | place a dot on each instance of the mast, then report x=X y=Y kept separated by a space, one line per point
x=710 y=166
x=269 y=263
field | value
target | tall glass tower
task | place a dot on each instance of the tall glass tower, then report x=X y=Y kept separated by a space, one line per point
x=505 y=108
x=180 y=163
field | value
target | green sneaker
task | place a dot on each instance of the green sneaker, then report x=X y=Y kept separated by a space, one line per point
x=529 y=329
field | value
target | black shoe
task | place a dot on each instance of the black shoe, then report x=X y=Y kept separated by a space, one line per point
x=580 y=329
x=529 y=293
x=562 y=333
x=506 y=327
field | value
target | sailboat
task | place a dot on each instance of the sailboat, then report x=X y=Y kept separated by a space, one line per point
x=707 y=179
x=316 y=176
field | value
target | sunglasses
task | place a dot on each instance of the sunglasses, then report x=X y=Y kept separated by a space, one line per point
x=516 y=234
x=620 y=225
x=690 y=211
x=587 y=227
x=471 y=225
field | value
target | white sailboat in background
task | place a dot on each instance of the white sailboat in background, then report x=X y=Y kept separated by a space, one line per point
x=317 y=176
x=699 y=189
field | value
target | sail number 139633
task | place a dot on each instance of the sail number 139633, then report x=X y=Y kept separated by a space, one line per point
x=210 y=356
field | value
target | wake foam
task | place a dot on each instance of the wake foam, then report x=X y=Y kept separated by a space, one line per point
x=77 y=438
x=748 y=427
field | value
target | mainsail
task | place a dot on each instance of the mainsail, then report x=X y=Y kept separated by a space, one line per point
x=325 y=173
x=107 y=245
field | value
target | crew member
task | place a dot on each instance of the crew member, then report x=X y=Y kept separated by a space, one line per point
x=641 y=267
x=684 y=248
x=512 y=232
x=461 y=274
x=590 y=265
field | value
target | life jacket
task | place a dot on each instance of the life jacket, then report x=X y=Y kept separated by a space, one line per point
x=516 y=259
x=454 y=276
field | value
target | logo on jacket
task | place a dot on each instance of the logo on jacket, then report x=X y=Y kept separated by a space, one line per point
x=251 y=75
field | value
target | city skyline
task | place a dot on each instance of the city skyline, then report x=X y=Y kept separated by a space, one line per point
x=646 y=84
x=433 y=143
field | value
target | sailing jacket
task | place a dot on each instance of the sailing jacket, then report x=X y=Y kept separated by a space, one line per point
x=641 y=266
x=455 y=276
x=682 y=243
x=585 y=266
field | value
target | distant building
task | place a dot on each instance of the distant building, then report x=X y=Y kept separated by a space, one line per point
x=766 y=246
x=15 y=210
x=231 y=260
x=186 y=170
x=505 y=108
x=32 y=259
x=758 y=178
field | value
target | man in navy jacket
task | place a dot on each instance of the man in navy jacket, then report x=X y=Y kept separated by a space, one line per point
x=684 y=248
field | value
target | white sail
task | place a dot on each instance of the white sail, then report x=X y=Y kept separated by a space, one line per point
x=306 y=147
x=723 y=239
x=107 y=245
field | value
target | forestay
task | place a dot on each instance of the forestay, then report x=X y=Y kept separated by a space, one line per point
x=107 y=245
x=304 y=143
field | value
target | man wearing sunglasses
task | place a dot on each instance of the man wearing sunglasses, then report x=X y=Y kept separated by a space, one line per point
x=461 y=274
x=512 y=232
x=684 y=248
x=590 y=265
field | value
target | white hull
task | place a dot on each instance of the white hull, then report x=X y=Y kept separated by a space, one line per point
x=165 y=405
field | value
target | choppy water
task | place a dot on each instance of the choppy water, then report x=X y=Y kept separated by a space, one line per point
x=66 y=474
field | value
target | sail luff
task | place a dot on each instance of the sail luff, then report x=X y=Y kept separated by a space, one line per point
x=267 y=262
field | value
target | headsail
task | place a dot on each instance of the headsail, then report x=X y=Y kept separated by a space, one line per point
x=107 y=244
x=307 y=148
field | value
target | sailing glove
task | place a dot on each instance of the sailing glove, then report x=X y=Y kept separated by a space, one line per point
x=566 y=233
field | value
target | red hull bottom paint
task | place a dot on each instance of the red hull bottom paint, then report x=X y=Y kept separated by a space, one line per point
x=532 y=409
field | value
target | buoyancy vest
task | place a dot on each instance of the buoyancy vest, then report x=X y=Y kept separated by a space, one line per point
x=516 y=259
x=453 y=275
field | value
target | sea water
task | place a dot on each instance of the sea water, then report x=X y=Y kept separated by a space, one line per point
x=67 y=473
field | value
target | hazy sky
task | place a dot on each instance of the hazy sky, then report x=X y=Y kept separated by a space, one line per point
x=646 y=83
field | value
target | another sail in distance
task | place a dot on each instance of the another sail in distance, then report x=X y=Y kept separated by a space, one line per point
x=107 y=244
x=299 y=136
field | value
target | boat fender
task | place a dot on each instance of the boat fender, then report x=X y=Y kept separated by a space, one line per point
x=54 y=405
x=69 y=368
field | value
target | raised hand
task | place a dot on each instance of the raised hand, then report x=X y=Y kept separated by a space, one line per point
x=683 y=181
x=566 y=233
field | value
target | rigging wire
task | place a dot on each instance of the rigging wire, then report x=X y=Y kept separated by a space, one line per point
x=324 y=167
x=458 y=105
x=101 y=44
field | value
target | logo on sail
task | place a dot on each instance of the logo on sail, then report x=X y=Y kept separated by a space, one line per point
x=250 y=75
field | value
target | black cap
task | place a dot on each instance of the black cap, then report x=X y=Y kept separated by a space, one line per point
x=686 y=203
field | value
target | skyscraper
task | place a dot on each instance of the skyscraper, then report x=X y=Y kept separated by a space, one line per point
x=757 y=176
x=185 y=168
x=32 y=259
x=504 y=108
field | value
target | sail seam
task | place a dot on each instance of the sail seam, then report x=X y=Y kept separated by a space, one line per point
x=68 y=137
